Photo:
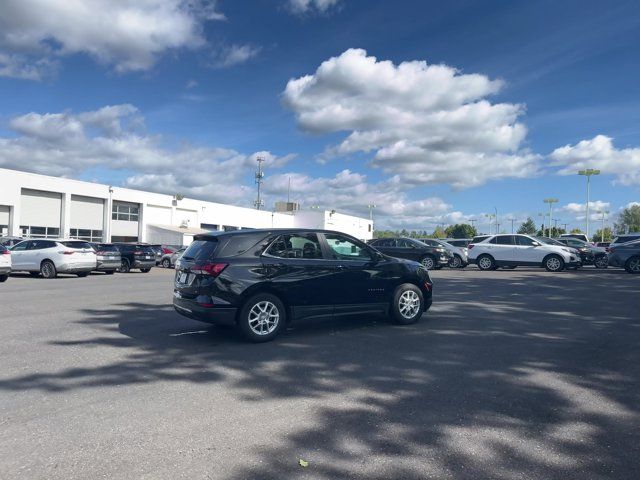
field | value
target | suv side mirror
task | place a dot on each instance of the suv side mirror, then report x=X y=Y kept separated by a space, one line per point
x=536 y=244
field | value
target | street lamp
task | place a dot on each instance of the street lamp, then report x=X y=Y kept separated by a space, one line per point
x=603 y=212
x=550 y=201
x=512 y=220
x=544 y=219
x=490 y=216
x=588 y=173
x=371 y=206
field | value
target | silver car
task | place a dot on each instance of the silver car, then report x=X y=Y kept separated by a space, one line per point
x=169 y=259
x=459 y=257
x=48 y=257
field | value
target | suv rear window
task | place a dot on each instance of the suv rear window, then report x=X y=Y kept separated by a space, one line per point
x=201 y=250
x=479 y=238
x=106 y=248
x=626 y=238
x=77 y=244
x=239 y=244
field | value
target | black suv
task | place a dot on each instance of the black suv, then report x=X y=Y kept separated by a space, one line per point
x=135 y=255
x=431 y=257
x=261 y=279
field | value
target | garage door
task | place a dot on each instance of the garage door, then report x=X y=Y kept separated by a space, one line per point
x=186 y=217
x=40 y=213
x=4 y=220
x=157 y=215
x=87 y=218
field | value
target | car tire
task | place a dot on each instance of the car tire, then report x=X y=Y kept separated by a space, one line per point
x=632 y=265
x=553 y=263
x=408 y=304
x=166 y=263
x=601 y=261
x=262 y=317
x=48 y=269
x=3 y=278
x=486 y=262
x=145 y=270
x=82 y=274
x=456 y=262
x=124 y=266
x=428 y=262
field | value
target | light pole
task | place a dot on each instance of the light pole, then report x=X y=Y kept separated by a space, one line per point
x=371 y=206
x=512 y=220
x=603 y=212
x=544 y=218
x=588 y=173
x=489 y=216
x=472 y=221
x=564 y=227
x=550 y=201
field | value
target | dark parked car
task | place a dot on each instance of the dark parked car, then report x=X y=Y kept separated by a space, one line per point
x=135 y=255
x=10 y=241
x=260 y=280
x=589 y=254
x=108 y=257
x=431 y=257
x=579 y=236
x=626 y=255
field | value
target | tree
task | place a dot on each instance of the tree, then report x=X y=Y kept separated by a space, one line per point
x=438 y=233
x=461 y=230
x=528 y=227
x=629 y=219
x=599 y=237
x=576 y=230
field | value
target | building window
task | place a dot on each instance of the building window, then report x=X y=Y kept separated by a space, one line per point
x=121 y=239
x=88 y=235
x=128 y=213
x=29 y=231
x=209 y=226
x=230 y=228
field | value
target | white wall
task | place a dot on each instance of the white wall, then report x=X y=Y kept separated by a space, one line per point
x=155 y=206
x=87 y=212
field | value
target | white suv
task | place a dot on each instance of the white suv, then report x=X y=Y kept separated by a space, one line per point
x=48 y=257
x=520 y=250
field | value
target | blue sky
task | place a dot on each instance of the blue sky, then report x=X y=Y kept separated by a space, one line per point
x=182 y=96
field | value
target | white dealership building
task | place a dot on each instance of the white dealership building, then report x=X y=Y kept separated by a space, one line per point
x=40 y=206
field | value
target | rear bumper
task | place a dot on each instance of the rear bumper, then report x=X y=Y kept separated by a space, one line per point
x=143 y=264
x=108 y=265
x=215 y=315
x=76 y=267
x=5 y=270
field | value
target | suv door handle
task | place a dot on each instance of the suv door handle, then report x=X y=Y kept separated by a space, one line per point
x=341 y=267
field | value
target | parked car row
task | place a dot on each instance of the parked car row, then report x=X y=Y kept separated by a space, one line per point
x=48 y=257
x=490 y=252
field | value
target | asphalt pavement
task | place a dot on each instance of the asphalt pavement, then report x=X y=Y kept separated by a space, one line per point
x=516 y=374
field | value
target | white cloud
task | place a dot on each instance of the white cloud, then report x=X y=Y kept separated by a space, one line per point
x=579 y=210
x=599 y=153
x=113 y=137
x=233 y=55
x=128 y=35
x=428 y=124
x=301 y=7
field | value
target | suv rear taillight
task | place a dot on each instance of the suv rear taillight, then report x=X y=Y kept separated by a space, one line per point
x=66 y=252
x=611 y=250
x=211 y=269
x=470 y=246
x=5 y=252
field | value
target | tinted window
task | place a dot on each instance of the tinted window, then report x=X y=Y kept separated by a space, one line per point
x=404 y=243
x=20 y=246
x=430 y=242
x=504 y=240
x=343 y=248
x=626 y=238
x=296 y=246
x=40 y=244
x=240 y=244
x=106 y=248
x=2 y=248
x=76 y=244
x=384 y=242
x=201 y=250
x=479 y=238
x=524 y=241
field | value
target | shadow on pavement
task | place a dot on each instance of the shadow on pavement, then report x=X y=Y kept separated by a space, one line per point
x=504 y=378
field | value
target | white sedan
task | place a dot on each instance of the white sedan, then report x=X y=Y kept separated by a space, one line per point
x=49 y=257
x=520 y=250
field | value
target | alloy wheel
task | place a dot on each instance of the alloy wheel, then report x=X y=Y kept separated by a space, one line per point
x=601 y=262
x=554 y=264
x=48 y=270
x=485 y=263
x=428 y=263
x=634 y=265
x=263 y=318
x=409 y=304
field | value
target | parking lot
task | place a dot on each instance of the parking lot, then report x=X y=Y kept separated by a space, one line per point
x=511 y=374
